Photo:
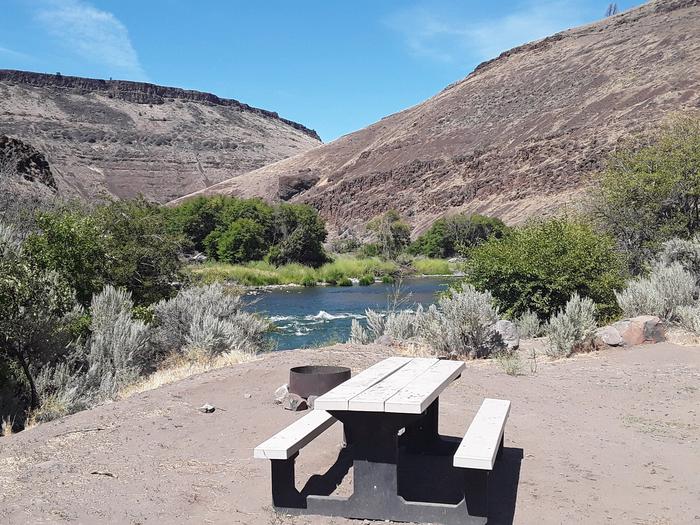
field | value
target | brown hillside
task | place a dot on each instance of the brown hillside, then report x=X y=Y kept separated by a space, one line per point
x=516 y=138
x=118 y=138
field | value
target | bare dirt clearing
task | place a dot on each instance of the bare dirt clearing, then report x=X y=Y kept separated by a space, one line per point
x=611 y=437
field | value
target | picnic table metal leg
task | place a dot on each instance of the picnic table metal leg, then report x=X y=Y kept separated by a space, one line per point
x=375 y=456
x=423 y=434
x=284 y=492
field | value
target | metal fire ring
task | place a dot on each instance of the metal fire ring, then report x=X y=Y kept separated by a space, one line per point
x=316 y=380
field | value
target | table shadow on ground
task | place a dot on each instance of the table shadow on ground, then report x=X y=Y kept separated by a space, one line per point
x=432 y=479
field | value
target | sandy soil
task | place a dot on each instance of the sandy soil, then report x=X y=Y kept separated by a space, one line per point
x=611 y=437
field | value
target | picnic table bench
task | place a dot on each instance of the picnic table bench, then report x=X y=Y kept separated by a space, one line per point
x=392 y=405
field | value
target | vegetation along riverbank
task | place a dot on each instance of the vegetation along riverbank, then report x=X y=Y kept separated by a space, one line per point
x=97 y=298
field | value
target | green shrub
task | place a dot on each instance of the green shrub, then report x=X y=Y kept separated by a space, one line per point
x=286 y=233
x=649 y=191
x=301 y=232
x=392 y=233
x=71 y=244
x=124 y=244
x=243 y=241
x=366 y=280
x=33 y=305
x=196 y=219
x=371 y=249
x=344 y=281
x=388 y=279
x=452 y=235
x=308 y=281
x=538 y=267
x=142 y=256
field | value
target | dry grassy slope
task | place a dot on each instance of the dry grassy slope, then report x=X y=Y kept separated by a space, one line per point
x=516 y=138
x=126 y=138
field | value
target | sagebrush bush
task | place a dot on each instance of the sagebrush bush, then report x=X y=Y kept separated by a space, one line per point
x=529 y=324
x=686 y=252
x=461 y=325
x=402 y=325
x=206 y=318
x=112 y=356
x=689 y=317
x=358 y=335
x=660 y=293
x=117 y=350
x=375 y=323
x=571 y=328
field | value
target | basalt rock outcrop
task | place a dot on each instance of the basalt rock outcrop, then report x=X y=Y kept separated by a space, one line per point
x=121 y=139
x=23 y=160
x=26 y=178
x=519 y=137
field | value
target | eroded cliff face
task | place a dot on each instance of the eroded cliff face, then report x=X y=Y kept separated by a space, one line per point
x=20 y=160
x=123 y=139
x=519 y=137
x=26 y=180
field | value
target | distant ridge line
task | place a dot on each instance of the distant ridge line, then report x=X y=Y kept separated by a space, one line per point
x=137 y=92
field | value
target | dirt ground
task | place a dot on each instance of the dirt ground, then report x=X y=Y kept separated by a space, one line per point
x=610 y=437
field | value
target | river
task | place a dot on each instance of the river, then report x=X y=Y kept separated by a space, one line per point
x=310 y=317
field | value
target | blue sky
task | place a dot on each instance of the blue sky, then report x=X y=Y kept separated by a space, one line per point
x=333 y=65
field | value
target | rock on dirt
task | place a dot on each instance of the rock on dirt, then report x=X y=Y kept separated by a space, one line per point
x=509 y=333
x=644 y=329
x=281 y=393
x=295 y=403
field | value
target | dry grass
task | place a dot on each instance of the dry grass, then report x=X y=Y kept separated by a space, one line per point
x=6 y=426
x=179 y=366
x=510 y=362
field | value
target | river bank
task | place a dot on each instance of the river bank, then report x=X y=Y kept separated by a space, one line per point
x=343 y=271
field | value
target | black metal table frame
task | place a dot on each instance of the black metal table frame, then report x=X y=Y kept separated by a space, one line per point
x=373 y=443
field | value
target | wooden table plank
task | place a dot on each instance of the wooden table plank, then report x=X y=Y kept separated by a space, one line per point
x=416 y=396
x=339 y=397
x=480 y=444
x=374 y=398
x=288 y=441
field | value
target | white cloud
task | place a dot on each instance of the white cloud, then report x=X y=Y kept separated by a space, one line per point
x=450 y=38
x=92 y=34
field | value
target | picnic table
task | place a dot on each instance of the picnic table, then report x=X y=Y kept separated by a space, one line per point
x=386 y=410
